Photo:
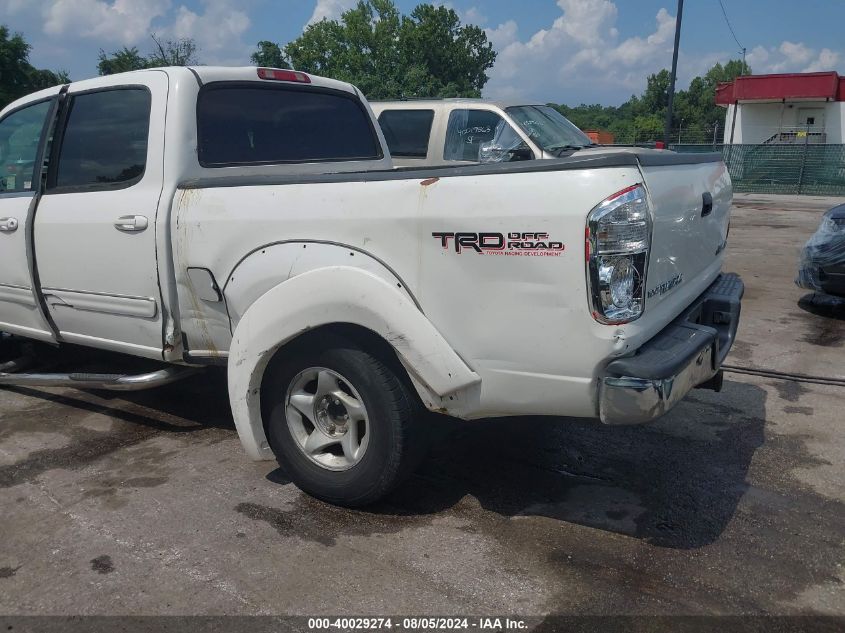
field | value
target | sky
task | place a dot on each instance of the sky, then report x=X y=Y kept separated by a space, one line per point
x=563 y=51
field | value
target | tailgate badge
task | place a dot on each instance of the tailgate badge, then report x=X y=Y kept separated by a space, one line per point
x=666 y=286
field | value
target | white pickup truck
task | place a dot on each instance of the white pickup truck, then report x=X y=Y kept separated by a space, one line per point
x=253 y=218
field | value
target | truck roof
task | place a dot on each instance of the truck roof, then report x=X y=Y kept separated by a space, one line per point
x=206 y=74
x=452 y=100
x=209 y=74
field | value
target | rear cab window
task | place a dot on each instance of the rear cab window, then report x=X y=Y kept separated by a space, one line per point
x=246 y=123
x=407 y=132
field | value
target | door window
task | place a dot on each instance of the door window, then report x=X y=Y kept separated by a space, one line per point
x=466 y=131
x=20 y=133
x=407 y=131
x=104 y=145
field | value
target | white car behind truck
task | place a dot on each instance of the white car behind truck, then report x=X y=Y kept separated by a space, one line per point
x=461 y=131
x=252 y=218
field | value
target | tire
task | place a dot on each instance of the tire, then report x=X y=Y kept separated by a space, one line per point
x=336 y=472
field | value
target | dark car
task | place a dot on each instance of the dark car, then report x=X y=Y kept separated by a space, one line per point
x=822 y=265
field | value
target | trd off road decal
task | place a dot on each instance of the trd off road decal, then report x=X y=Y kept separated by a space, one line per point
x=514 y=243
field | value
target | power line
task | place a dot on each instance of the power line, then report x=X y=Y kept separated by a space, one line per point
x=731 y=29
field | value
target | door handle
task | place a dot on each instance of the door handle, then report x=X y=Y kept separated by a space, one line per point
x=131 y=223
x=8 y=225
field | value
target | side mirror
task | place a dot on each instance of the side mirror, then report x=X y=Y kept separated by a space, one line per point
x=491 y=153
x=522 y=152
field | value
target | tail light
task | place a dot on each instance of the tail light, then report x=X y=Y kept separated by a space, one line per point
x=618 y=241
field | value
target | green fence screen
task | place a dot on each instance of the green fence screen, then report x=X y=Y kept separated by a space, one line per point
x=804 y=168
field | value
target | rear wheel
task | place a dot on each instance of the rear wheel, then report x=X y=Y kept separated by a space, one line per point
x=342 y=422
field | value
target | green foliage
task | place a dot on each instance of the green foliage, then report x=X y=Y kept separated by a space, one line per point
x=17 y=76
x=173 y=52
x=642 y=118
x=165 y=53
x=121 y=61
x=269 y=55
x=428 y=53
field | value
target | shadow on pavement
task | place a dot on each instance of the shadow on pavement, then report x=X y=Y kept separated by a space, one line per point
x=675 y=483
x=823 y=305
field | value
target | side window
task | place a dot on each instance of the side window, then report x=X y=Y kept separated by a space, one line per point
x=466 y=131
x=20 y=133
x=407 y=131
x=265 y=125
x=105 y=139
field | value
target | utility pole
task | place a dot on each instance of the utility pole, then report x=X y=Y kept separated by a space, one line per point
x=668 y=127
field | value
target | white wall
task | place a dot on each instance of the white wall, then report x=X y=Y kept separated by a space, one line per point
x=757 y=122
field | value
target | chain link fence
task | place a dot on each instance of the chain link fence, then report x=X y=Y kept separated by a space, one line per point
x=792 y=168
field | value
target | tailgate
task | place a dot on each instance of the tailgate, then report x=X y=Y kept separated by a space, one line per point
x=690 y=203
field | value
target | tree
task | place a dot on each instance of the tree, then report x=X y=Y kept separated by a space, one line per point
x=655 y=99
x=121 y=61
x=166 y=53
x=17 y=76
x=269 y=55
x=697 y=104
x=641 y=118
x=428 y=53
x=180 y=52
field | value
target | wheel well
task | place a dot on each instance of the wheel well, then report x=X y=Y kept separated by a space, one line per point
x=338 y=335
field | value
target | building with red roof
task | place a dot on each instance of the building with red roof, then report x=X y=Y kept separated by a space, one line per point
x=784 y=108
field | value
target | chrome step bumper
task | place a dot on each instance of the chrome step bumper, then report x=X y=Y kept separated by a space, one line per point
x=686 y=354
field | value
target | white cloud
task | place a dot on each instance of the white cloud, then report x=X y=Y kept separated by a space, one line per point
x=330 y=9
x=792 y=57
x=474 y=15
x=826 y=60
x=581 y=47
x=796 y=53
x=217 y=31
x=503 y=35
x=122 y=21
x=217 y=28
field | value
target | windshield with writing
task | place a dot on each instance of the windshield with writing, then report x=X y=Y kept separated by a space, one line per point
x=548 y=128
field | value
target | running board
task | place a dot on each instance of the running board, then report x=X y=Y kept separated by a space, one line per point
x=15 y=365
x=110 y=382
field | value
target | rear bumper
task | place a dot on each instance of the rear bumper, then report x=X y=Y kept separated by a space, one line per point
x=685 y=354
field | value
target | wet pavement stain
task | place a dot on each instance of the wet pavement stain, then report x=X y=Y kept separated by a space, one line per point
x=742 y=350
x=135 y=426
x=825 y=334
x=83 y=451
x=313 y=520
x=102 y=564
x=799 y=410
x=789 y=390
